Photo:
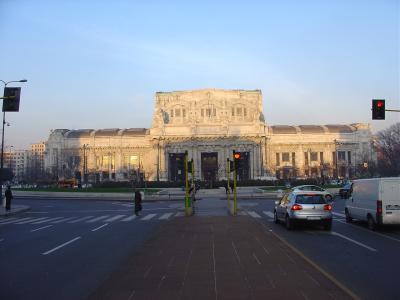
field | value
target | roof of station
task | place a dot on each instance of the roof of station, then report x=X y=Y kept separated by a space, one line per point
x=109 y=132
x=312 y=129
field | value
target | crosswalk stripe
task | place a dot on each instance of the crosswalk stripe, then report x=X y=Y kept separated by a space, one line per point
x=268 y=214
x=133 y=217
x=242 y=213
x=148 y=217
x=114 y=218
x=62 y=220
x=47 y=220
x=14 y=221
x=80 y=219
x=6 y=220
x=165 y=216
x=180 y=214
x=97 y=219
x=34 y=220
x=254 y=214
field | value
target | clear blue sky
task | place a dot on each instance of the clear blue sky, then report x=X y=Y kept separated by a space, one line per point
x=98 y=64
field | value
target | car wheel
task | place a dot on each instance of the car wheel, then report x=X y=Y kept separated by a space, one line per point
x=349 y=219
x=276 y=220
x=288 y=223
x=371 y=223
x=328 y=225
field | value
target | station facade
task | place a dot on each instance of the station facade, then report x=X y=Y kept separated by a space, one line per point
x=209 y=124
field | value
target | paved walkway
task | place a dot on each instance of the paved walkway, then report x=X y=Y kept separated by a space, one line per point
x=14 y=210
x=217 y=258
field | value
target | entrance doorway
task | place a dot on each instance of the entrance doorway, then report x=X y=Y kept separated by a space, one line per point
x=176 y=167
x=209 y=167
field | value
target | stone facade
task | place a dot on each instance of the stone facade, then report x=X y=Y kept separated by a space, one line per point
x=209 y=124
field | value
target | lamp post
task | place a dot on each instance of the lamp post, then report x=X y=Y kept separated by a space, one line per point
x=2 y=137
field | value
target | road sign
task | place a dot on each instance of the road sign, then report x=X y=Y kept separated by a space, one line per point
x=11 y=98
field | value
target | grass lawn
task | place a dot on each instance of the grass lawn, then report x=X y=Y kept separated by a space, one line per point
x=89 y=190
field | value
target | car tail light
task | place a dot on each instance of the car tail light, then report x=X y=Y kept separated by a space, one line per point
x=328 y=207
x=379 y=207
x=297 y=207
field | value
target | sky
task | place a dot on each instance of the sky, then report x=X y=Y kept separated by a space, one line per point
x=98 y=64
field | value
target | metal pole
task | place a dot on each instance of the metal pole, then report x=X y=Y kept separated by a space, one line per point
x=2 y=155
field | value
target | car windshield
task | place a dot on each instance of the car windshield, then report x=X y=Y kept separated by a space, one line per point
x=310 y=199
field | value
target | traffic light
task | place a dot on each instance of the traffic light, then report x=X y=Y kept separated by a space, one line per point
x=236 y=158
x=11 y=98
x=378 y=109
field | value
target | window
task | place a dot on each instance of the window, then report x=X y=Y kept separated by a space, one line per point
x=321 y=157
x=245 y=112
x=334 y=157
x=293 y=158
x=208 y=112
x=314 y=156
x=342 y=155
x=239 y=111
x=277 y=159
x=184 y=113
x=177 y=112
x=349 y=156
x=214 y=112
x=233 y=111
x=285 y=156
x=306 y=158
x=172 y=113
x=202 y=112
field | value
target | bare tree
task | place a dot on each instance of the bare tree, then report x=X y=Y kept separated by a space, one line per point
x=388 y=150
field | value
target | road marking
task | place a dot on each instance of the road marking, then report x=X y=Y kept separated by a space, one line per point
x=114 y=218
x=254 y=214
x=338 y=214
x=41 y=228
x=133 y=217
x=97 y=219
x=13 y=221
x=62 y=220
x=242 y=213
x=269 y=214
x=62 y=245
x=48 y=220
x=148 y=217
x=34 y=220
x=80 y=219
x=180 y=214
x=100 y=227
x=257 y=260
x=6 y=220
x=353 y=241
x=165 y=216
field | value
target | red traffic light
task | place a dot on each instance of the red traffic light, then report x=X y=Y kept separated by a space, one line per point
x=379 y=104
x=236 y=155
x=378 y=109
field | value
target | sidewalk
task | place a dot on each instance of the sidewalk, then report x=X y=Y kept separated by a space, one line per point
x=14 y=210
x=216 y=258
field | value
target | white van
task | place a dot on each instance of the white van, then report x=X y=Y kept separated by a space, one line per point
x=375 y=200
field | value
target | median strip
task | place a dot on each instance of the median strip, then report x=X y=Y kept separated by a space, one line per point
x=62 y=245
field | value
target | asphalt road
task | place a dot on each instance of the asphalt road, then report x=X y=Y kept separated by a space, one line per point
x=63 y=249
x=68 y=247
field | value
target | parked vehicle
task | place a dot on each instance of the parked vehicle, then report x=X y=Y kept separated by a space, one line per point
x=375 y=200
x=303 y=206
x=328 y=196
x=345 y=191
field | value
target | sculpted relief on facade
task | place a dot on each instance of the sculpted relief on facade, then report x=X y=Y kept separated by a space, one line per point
x=209 y=124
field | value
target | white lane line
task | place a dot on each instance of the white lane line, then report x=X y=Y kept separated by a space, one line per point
x=62 y=245
x=34 y=220
x=1 y=240
x=180 y=214
x=48 y=220
x=104 y=225
x=14 y=221
x=254 y=214
x=148 y=217
x=80 y=219
x=268 y=214
x=165 y=216
x=242 y=213
x=33 y=230
x=97 y=219
x=114 y=218
x=133 y=217
x=353 y=241
x=338 y=214
x=62 y=220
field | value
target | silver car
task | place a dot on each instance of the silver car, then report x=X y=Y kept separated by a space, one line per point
x=328 y=196
x=303 y=206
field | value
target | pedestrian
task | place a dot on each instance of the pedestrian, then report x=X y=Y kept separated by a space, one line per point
x=9 y=196
x=138 y=202
x=192 y=192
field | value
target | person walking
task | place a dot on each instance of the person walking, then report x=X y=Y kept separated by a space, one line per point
x=9 y=196
x=138 y=202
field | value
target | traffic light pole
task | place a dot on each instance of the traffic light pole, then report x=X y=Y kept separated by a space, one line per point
x=188 y=207
x=234 y=188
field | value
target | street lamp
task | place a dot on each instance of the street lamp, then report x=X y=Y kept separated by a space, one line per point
x=2 y=137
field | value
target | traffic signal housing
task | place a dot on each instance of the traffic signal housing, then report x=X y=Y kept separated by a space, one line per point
x=11 y=98
x=236 y=159
x=378 y=109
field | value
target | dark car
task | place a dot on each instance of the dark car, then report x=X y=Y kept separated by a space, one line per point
x=345 y=191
